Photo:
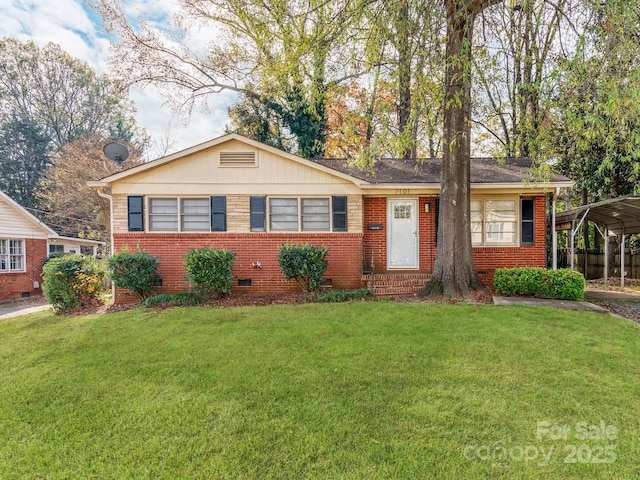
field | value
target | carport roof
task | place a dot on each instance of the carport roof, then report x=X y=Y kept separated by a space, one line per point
x=620 y=215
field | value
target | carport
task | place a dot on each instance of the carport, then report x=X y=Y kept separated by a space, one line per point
x=618 y=216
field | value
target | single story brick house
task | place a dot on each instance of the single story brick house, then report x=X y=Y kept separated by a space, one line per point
x=25 y=244
x=235 y=193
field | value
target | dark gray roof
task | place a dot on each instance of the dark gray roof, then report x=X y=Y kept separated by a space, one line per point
x=620 y=215
x=428 y=170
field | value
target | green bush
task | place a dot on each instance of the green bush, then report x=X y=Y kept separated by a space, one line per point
x=305 y=264
x=539 y=282
x=137 y=272
x=182 y=299
x=210 y=270
x=72 y=281
x=335 y=296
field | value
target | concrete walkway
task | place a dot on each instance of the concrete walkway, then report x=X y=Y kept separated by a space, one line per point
x=17 y=309
x=605 y=296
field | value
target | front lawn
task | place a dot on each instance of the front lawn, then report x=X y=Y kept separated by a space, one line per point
x=352 y=391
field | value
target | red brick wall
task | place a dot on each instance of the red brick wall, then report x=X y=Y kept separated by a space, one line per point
x=345 y=256
x=375 y=211
x=487 y=259
x=14 y=284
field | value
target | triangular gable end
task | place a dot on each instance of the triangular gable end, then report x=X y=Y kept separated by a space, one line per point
x=234 y=143
x=20 y=220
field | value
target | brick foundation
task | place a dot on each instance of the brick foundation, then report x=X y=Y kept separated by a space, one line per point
x=345 y=257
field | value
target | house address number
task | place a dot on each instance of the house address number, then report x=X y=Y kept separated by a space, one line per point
x=402 y=191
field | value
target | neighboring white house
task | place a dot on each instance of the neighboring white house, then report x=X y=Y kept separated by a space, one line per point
x=25 y=244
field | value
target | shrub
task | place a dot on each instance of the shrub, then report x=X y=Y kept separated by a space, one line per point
x=210 y=270
x=335 y=296
x=137 y=272
x=72 y=281
x=305 y=264
x=539 y=282
x=182 y=299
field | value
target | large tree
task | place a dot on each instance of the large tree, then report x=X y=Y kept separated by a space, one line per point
x=454 y=273
x=48 y=99
x=282 y=55
x=72 y=208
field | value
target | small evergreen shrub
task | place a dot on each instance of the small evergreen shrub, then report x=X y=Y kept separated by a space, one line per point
x=335 y=296
x=539 y=282
x=137 y=272
x=72 y=281
x=306 y=264
x=210 y=270
x=182 y=299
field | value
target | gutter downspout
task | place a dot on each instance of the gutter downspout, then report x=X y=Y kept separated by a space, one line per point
x=110 y=253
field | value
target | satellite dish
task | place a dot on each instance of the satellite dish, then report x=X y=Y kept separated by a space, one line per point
x=116 y=152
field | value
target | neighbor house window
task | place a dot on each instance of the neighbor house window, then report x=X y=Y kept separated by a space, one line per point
x=493 y=222
x=56 y=250
x=12 y=255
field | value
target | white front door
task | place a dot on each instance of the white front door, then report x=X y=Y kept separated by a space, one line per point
x=402 y=233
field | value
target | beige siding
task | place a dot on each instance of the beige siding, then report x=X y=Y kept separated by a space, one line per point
x=15 y=224
x=238 y=214
x=201 y=174
x=120 y=221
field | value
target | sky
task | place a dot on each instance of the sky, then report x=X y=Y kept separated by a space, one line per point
x=77 y=29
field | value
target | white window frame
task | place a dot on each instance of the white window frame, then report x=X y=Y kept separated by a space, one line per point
x=8 y=255
x=300 y=217
x=180 y=215
x=486 y=231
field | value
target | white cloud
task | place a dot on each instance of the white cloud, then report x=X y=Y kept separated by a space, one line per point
x=77 y=30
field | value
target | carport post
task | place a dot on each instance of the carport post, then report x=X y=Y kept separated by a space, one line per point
x=606 y=256
x=604 y=236
x=622 y=260
x=573 y=234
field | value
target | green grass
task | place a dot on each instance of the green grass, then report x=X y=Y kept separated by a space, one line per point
x=352 y=391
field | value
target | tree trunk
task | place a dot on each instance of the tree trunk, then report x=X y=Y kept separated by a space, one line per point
x=454 y=273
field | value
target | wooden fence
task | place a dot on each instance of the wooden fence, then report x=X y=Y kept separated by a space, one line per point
x=595 y=263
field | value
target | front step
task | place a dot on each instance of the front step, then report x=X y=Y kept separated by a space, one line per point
x=390 y=284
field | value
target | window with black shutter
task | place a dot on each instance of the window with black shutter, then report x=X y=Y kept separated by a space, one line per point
x=526 y=221
x=135 y=212
x=339 y=212
x=257 y=209
x=219 y=214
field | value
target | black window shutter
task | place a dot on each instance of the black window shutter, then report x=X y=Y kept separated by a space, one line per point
x=257 y=209
x=219 y=214
x=135 y=212
x=526 y=221
x=339 y=209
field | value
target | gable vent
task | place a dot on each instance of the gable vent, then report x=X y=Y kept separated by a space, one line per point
x=237 y=159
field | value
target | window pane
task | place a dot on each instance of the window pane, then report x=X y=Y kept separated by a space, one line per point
x=3 y=247
x=315 y=214
x=16 y=255
x=500 y=220
x=15 y=247
x=195 y=206
x=163 y=206
x=283 y=213
x=195 y=214
x=163 y=214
